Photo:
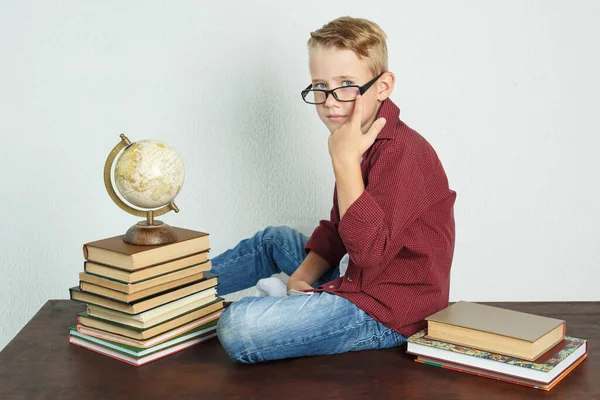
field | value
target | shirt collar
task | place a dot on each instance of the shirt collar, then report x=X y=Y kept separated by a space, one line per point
x=390 y=112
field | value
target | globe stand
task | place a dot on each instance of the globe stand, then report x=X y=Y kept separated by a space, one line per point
x=150 y=233
x=145 y=233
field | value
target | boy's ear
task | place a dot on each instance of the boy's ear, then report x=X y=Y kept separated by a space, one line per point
x=385 y=85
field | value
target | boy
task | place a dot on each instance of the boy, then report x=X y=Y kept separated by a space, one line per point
x=392 y=213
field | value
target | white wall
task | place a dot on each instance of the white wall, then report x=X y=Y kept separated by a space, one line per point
x=507 y=93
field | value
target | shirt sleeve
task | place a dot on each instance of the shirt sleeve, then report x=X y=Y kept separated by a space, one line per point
x=392 y=199
x=325 y=240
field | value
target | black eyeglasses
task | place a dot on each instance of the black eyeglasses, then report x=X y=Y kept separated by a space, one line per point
x=342 y=93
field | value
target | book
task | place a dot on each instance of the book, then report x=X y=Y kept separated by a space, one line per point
x=142 y=305
x=500 y=377
x=143 y=334
x=142 y=322
x=495 y=329
x=138 y=351
x=542 y=372
x=182 y=266
x=193 y=327
x=136 y=359
x=115 y=252
x=160 y=310
x=140 y=294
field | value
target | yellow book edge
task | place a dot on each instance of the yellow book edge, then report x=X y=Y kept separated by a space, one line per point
x=493 y=342
x=150 y=323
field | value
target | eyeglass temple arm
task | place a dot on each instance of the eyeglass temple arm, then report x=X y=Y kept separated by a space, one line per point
x=305 y=91
x=366 y=87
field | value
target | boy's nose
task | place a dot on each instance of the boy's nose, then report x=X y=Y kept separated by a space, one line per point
x=330 y=100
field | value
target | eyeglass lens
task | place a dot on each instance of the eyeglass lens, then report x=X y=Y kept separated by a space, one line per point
x=342 y=94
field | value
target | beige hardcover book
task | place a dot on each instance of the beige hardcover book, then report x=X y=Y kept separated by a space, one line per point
x=145 y=334
x=145 y=304
x=95 y=287
x=121 y=318
x=114 y=251
x=497 y=330
x=196 y=260
x=146 y=344
x=157 y=312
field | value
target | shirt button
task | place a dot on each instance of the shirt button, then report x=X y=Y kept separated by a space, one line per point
x=330 y=286
x=350 y=279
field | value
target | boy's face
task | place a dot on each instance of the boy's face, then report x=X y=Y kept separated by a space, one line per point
x=330 y=68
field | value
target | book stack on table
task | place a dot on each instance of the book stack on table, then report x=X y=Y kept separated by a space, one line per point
x=496 y=343
x=146 y=302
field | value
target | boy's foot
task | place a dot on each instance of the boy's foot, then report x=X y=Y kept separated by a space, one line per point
x=272 y=287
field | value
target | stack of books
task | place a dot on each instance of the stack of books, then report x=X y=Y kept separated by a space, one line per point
x=496 y=343
x=146 y=302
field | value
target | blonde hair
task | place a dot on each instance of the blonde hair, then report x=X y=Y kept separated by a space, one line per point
x=365 y=38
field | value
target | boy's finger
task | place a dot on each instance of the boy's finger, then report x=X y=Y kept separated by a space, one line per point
x=376 y=128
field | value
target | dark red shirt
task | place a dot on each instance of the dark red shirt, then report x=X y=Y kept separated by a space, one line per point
x=399 y=234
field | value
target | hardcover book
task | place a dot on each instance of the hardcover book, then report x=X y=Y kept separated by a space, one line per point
x=194 y=326
x=500 y=377
x=134 y=356
x=148 y=333
x=146 y=277
x=115 y=252
x=495 y=329
x=98 y=287
x=157 y=315
x=142 y=305
x=544 y=371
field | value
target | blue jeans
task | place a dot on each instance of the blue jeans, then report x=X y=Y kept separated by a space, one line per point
x=256 y=329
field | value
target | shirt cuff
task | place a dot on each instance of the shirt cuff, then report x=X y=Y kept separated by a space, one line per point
x=362 y=218
x=327 y=244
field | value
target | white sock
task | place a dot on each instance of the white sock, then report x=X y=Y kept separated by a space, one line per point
x=272 y=286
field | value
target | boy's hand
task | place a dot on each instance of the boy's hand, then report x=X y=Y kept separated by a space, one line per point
x=298 y=285
x=348 y=143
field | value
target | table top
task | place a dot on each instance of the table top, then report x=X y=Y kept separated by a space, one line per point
x=40 y=363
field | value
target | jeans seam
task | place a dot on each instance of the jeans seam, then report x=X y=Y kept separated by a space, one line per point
x=257 y=249
x=240 y=257
x=387 y=332
x=258 y=350
x=283 y=248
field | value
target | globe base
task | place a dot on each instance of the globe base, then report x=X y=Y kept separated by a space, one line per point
x=142 y=234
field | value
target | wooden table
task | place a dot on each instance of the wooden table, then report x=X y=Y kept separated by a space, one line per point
x=40 y=364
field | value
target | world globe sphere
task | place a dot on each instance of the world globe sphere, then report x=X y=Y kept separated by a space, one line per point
x=149 y=174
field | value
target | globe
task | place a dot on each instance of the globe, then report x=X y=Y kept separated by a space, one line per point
x=149 y=174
